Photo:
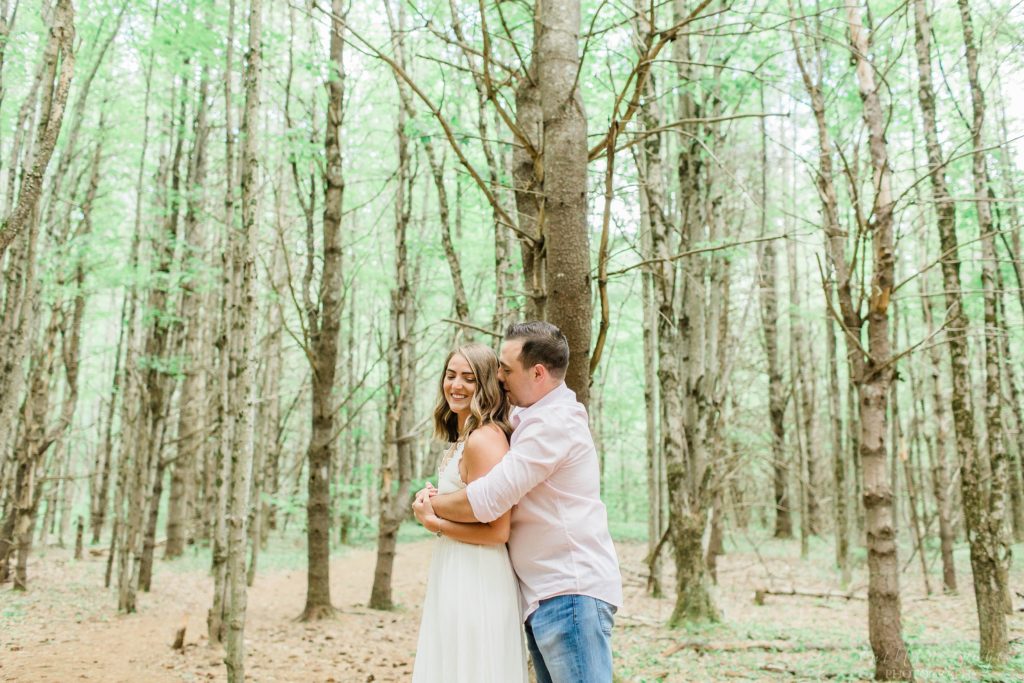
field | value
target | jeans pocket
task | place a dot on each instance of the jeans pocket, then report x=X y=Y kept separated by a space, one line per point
x=606 y=617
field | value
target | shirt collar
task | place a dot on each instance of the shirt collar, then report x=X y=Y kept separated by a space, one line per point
x=558 y=394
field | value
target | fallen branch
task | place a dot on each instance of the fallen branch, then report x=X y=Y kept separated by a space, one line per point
x=746 y=645
x=761 y=593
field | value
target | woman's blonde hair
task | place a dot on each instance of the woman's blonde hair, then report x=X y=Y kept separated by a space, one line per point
x=488 y=405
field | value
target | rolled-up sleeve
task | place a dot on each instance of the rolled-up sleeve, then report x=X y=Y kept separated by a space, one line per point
x=529 y=461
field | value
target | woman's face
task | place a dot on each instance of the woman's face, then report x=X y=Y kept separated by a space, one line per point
x=459 y=384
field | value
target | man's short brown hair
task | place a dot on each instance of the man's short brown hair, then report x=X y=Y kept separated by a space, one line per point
x=543 y=343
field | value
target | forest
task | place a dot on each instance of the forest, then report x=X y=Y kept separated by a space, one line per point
x=782 y=237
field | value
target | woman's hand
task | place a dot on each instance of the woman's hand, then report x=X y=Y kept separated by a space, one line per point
x=424 y=511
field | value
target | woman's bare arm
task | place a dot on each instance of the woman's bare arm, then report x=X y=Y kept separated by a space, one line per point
x=484 y=448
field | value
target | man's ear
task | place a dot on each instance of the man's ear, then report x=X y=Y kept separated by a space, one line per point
x=539 y=371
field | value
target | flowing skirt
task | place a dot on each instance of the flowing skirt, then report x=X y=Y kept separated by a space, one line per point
x=472 y=629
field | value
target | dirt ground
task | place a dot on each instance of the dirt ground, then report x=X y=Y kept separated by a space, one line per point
x=66 y=627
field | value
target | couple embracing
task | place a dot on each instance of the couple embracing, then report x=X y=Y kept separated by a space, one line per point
x=521 y=469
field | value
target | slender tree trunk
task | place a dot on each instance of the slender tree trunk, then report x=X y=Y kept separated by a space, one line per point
x=768 y=290
x=567 y=244
x=221 y=470
x=58 y=69
x=243 y=362
x=397 y=454
x=149 y=539
x=990 y=551
x=157 y=385
x=528 y=172
x=939 y=468
x=690 y=336
x=871 y=368
x=191 y=426
x=804 y=390
x=884 y=611
x=37 y=436
x=504 y=277
x=324 y=324
x=839 y=466
x=649 y=159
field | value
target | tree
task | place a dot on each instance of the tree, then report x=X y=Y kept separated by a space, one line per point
x=985 y=484
x=397 y=446
x=871 y=366
x=243 y=365
x=324 y=323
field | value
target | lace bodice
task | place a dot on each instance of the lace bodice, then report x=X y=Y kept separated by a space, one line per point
x=449 y=479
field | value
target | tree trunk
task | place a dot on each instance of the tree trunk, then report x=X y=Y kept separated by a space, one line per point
x=939 y=468
x=56 y=68
x=243 y=364
x=839 y=466
x=528 y=173
x=191 y=426
x=649 y=160
x=564 y=158
x=871 y=369
x=397 y=455
x=156 y=383
x=221 y=470
x=324 y=325
x=149 y=539
x=768 y=290
x=990 y=549
x=884 y=612
x=804 y=390
x=56 y=84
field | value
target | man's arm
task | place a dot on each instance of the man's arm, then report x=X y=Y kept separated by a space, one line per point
x=476 y=533
x=484 y=450
x=541 y=444
x=454 y=507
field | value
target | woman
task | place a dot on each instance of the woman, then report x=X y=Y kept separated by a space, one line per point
x=471 y=630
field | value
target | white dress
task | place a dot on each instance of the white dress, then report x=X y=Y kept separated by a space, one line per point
x=472 y=629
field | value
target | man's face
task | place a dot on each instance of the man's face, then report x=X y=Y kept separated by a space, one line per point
x=517 y=380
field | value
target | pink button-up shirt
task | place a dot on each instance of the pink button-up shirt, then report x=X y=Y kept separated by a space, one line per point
x=559 y=541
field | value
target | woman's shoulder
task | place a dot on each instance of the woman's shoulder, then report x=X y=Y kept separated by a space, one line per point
x=487 y=437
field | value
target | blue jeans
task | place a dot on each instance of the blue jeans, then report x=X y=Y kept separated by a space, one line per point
x=570 y=639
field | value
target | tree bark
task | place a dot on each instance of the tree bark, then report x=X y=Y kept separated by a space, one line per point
x=874 y=378
x=221 y=469
x=939 y=467
x=768 y=299
x=871 y=368
x=839 y=466
x=397 y=447
x=191 y=426
x=528 y=173
x=243 y=363
x=649 y=159
x=324 y=327
x=155 y=383
x=58 y=69
x=985 y=511
x=564 y=160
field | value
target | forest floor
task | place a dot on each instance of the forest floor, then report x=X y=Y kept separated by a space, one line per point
x=66 y=627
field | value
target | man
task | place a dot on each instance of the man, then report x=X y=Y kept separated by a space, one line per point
x=559 y=542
